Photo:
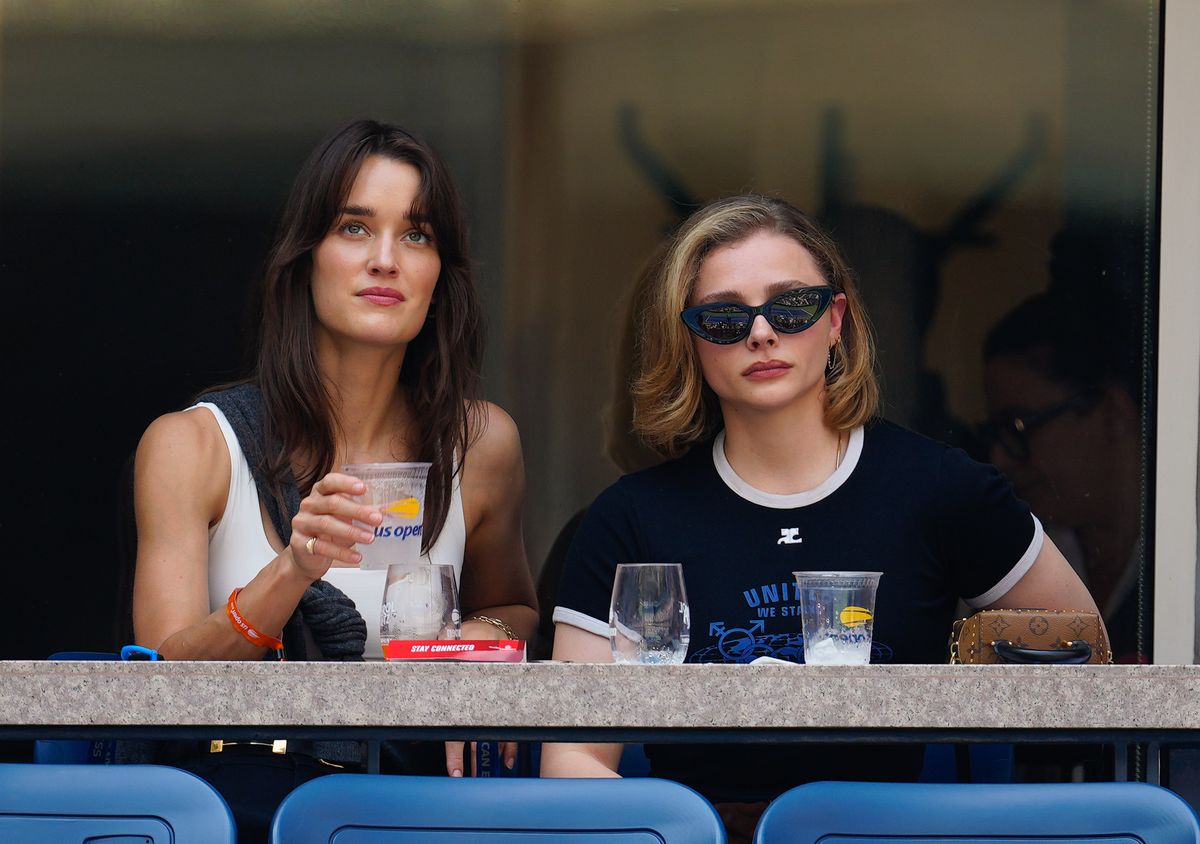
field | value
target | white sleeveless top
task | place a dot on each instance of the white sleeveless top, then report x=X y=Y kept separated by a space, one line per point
x=238 y=546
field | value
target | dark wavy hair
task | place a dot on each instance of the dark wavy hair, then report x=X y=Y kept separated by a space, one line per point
x=441 y=365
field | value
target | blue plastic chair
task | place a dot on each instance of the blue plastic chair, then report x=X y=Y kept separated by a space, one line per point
x=1023 y=813
x=113 y=804
x=377 y=808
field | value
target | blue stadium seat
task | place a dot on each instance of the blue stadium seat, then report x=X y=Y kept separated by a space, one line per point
x=110 y=804
x=933 y=813
x=374 y=809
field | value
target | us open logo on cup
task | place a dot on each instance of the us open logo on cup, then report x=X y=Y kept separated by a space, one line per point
x=395 y=515
x=404 y=508
x=855 y=616
x=398 y=537
x=854 y=621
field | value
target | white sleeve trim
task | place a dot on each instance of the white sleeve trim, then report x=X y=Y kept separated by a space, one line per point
x=583 y=622
x=1016 y=573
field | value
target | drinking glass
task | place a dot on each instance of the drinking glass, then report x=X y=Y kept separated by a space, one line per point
x=420 y=601
x=648 y=619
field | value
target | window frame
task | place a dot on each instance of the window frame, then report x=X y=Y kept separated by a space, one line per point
x=1176 y=505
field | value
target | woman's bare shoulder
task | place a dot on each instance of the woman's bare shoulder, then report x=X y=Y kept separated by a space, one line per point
x=181 y=432
x=188 y=446
x=495 y=440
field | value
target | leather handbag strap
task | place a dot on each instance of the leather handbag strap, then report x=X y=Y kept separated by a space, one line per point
x=1075 y=652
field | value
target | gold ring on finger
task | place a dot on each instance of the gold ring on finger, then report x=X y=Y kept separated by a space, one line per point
x=311 y=545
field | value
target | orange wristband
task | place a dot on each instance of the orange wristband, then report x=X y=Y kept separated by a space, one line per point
x=253 y=636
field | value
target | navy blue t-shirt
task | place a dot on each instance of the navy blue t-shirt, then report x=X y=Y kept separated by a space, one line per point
x=939 y=525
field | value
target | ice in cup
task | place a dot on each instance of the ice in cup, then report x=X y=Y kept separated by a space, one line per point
x=420 y=601
x=837 y=610
x=398 y=491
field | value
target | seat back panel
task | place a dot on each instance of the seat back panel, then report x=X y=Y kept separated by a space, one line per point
x=474 y=836
x=40 y=829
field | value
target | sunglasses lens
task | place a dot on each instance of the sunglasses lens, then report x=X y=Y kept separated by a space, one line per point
x=729 y=322
x=723 y=323
x=795 y=311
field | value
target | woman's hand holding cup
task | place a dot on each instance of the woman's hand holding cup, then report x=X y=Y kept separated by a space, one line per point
x=323 y=531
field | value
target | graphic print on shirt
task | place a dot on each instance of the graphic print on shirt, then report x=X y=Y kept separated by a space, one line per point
x=791 y=536
x=771 y=627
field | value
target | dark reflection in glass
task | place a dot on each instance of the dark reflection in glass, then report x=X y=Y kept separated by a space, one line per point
x=1062 y=375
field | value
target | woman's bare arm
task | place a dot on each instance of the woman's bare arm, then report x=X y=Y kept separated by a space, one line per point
x=1050 y=584
x=181 y=482
x=495 y=579
x=593 y=759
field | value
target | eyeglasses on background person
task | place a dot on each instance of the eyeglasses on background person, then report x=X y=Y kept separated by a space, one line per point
x=1012 y=431
x=728 y=322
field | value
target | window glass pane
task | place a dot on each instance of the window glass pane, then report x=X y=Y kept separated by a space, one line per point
x=990 y=170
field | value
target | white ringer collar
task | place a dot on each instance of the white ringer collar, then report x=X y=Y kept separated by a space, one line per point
x=788 y=501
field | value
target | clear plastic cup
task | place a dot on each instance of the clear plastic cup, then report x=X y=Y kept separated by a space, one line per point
x=838 y=615
x=397 y=489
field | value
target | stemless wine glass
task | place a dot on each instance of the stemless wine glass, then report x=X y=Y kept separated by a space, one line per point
x=648 y=619
x=420 y=601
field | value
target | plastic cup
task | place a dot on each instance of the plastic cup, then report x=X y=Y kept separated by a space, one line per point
x=838 y=614
x=397 y=489
x=420 y=601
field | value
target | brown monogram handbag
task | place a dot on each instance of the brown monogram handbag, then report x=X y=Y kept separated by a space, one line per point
x=1038 y=637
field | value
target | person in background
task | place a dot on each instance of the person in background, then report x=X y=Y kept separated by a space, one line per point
x=756 y=378
x=1064 y=425
x=369 y=351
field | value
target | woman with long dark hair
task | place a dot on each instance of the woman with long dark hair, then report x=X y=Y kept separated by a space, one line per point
x=755 y=377
x=369 y=351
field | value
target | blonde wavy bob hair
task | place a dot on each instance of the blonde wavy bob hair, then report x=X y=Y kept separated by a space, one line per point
x=672 y=406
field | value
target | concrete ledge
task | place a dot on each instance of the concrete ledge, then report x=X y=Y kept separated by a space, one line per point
x=547 y=695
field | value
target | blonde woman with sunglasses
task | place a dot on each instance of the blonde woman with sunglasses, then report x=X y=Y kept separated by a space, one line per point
x=756 y=377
